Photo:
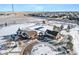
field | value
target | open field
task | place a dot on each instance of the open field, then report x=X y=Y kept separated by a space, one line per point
x=39 y=33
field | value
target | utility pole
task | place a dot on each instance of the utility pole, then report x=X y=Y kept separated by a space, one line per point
x=13 y=14
x=12 y=8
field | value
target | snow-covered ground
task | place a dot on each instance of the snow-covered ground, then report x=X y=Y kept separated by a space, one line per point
x=74 y=33
x=75 y=36
x=43 y=49
x=9 y=30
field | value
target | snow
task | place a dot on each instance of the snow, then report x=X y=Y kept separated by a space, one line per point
x=74 y=33
x=17 y=49
x=2 y=41
x=75 y=36
x=45 y=49
x=42 y=49
x=9 y=30
x=5 y=51
x=42 y=25
x=64 y=32
x=13 y=28
x=1 y=38
x=12 y=51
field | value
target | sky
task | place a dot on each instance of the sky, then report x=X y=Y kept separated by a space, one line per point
x=39 y=7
